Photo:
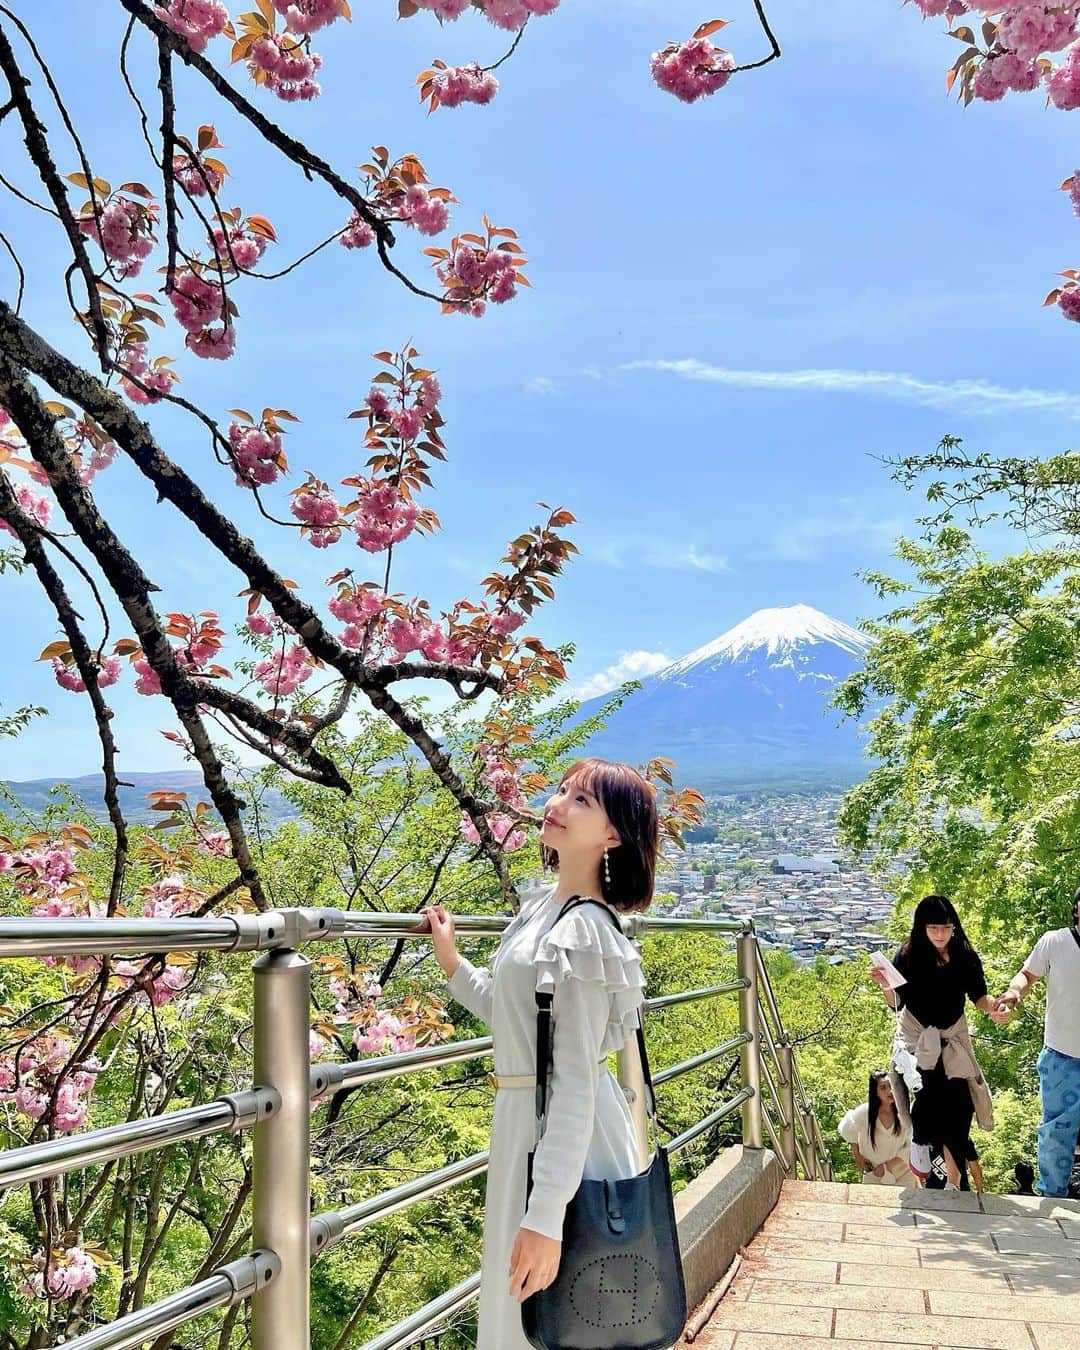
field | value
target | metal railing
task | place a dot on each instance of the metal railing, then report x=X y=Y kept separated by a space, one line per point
x=286 y=1238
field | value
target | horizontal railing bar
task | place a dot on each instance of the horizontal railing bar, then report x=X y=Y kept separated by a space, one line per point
x=333 y=1226
x=661 y=923
x=698 y=1060
x=413 y=1328
x=116 y=937
x=681 y=1140
x=52 y=1157
x=226 y=1286
x=329 y=1078
x=689 y=995
x=35 y=937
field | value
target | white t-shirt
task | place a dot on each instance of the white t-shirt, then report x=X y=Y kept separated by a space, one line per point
x=1057 y=956
x=855 y=1128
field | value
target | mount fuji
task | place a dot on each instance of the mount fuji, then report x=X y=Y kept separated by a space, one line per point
x=749 y=709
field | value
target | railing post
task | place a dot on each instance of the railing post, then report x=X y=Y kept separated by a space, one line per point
x=750 y=1053
x=787 y=1091
x=281 y=1206
x=810 y=1135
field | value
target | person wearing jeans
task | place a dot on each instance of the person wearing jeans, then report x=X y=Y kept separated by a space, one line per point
x=1056 y=958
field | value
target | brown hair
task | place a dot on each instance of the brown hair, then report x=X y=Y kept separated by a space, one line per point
x=630 y=804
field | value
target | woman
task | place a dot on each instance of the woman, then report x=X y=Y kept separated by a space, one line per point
x=601 y=833
x=879 y=1143
x=942 y=970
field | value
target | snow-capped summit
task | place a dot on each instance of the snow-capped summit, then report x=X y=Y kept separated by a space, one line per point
x=750 y=707
x=774 y=632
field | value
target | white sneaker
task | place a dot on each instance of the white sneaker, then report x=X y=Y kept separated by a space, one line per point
x=919 y=1160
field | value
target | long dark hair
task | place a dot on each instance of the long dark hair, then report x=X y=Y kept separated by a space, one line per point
x=630 y=804
x=920 y=951
x=873 y=1104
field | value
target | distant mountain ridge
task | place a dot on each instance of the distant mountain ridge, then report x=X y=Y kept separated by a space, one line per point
x=36 y=793
x=750 y=708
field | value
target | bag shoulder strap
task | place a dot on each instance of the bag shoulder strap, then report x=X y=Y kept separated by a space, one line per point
x=1076 y=935
x=543 y=1029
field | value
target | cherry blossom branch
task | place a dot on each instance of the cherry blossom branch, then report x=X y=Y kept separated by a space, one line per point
x=18 y=267
x=134 y=437
x=759 y=6
x=38 y=149
x=88 y=665
x=168 y=151
x=508 y=54
x=293 y=150
x=132 y=588
x=440 y=763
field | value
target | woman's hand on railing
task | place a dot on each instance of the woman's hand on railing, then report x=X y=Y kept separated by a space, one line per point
x=440 y=923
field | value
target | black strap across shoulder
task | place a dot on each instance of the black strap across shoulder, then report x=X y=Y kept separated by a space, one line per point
x=543 y=1027
x=1076 y=935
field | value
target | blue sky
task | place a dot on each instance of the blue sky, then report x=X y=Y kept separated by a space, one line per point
x=737 y=306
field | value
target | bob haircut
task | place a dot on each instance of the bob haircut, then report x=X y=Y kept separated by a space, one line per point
x=936 y=909
x=629 y=802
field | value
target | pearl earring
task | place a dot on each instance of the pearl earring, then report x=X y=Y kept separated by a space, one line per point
x=607 y=870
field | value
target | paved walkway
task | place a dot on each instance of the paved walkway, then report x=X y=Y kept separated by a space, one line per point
x=876 y=1266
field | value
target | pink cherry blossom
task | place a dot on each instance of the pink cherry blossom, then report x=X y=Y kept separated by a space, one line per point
x=72 y=1273
x=384 y=516
x=692 y=69
x=306 y=16
x=285 y=66
x=67 y=677
x=196 y=20
x=195 y=301
x=284 y=672
x=508 y=14
x=1029 y=29
x=218 y=343
x=464 y=84
x=422 y=211
x=1064 y=83
x=193 y=177
x=257 y=454
x=157 y=380
x=148 y=681
x=1069 y=303
x=445 y=9
x=356 y=605
x=38 y=508
x=123 y=229
x=357 y=233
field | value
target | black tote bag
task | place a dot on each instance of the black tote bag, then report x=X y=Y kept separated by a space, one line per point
x=620 y=1281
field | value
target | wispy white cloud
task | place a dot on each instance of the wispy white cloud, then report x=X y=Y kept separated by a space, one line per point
x=810 y=537
x=669 y=555
x=541 y=386
x=972 y=396
x=629 y=666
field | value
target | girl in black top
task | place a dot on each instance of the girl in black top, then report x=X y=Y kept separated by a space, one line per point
x=942 y=970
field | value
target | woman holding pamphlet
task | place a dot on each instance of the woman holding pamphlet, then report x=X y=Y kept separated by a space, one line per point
x=939 y=971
